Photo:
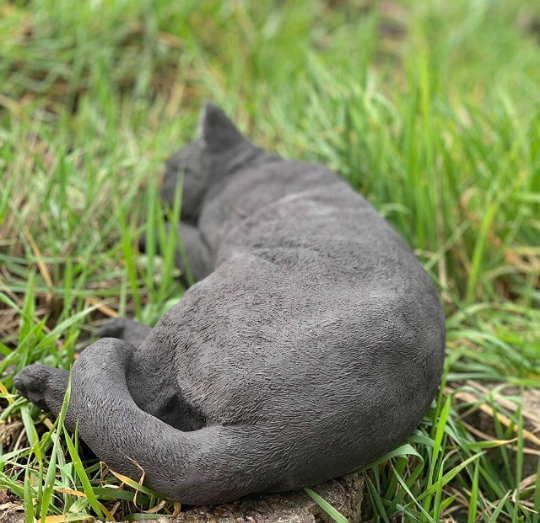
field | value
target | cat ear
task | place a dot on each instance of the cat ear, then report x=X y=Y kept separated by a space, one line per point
x=216 y=131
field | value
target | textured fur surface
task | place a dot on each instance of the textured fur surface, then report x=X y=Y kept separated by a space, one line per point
x=312 y=343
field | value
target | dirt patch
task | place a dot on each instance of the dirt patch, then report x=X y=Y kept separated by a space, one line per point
x=344 y=494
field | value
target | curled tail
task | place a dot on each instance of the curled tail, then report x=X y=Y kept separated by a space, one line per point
x=210 y=465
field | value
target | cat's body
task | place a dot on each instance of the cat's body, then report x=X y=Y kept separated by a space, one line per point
x=314 y=345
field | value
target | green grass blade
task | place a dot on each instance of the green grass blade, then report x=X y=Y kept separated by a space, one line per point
x=329 y=509
x=87 y=487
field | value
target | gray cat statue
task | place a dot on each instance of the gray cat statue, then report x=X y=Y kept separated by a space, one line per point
x=311 y=344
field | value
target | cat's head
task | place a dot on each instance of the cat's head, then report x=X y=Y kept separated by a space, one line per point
x=219 y=149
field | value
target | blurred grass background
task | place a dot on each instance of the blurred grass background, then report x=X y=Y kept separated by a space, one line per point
x=428 y=108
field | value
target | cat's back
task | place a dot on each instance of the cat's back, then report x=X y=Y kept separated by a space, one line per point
x=256 y=188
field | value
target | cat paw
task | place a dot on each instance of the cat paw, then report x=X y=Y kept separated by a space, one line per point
x=113 y=328
x=32 y=382
x=125 y=329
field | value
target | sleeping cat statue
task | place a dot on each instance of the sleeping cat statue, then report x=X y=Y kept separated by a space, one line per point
x=312 y=343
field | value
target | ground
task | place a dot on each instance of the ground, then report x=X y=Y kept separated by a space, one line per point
x=431 y=109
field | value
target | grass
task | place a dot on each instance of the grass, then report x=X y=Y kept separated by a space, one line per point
x=429 y=109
